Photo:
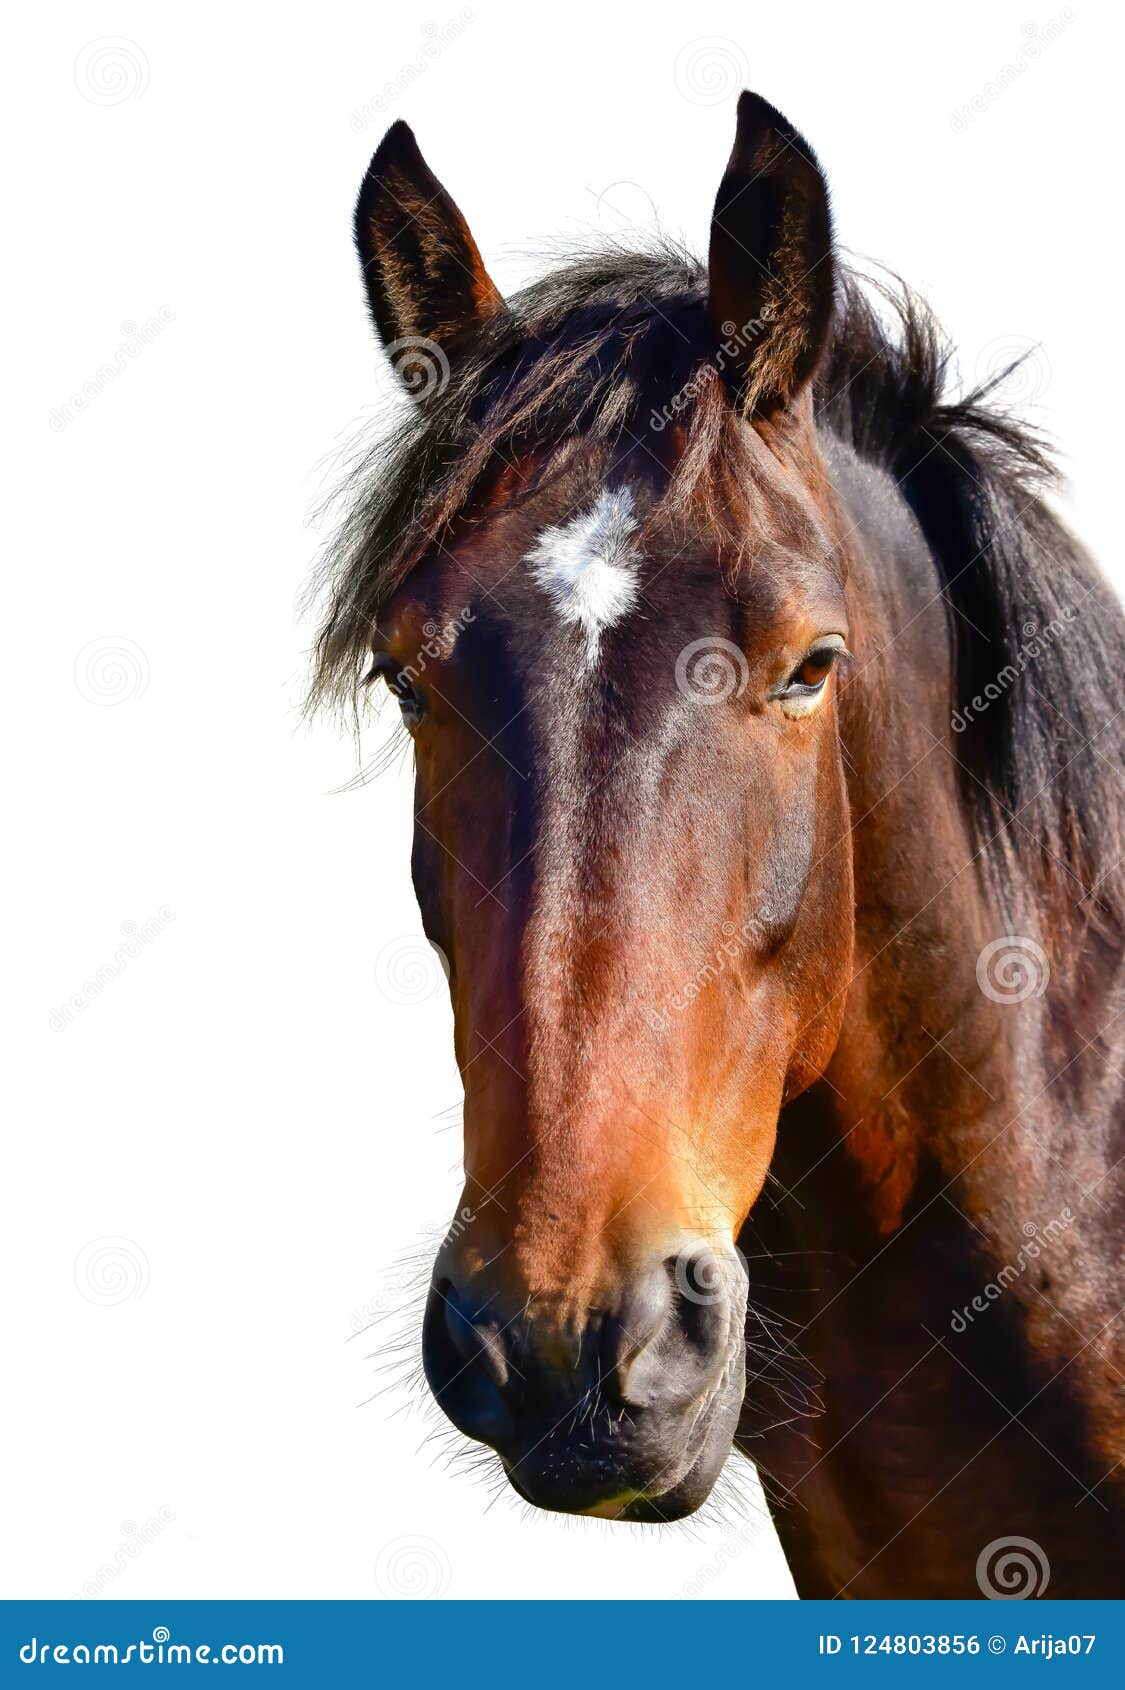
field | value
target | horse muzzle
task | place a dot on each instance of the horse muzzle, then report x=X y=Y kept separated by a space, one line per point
x=625 y=1408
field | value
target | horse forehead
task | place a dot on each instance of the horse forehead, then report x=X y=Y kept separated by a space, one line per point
x=587 y=567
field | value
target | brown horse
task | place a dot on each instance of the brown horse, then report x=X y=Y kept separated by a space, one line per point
x=769 y=817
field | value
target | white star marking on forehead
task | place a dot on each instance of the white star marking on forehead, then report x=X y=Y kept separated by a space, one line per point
x=588 y=566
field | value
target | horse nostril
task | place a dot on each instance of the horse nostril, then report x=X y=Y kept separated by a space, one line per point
x=476 y=1337
x=463 y=1355
x=689 y=1331
x=643 y=1315
x=702 y=1295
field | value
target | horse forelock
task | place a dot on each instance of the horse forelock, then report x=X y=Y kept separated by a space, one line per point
x=609 y=354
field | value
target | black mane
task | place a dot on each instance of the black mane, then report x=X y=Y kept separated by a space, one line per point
x=613 y=341
x=1038 y=634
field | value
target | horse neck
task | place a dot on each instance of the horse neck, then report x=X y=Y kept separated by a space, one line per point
x=932 y=1241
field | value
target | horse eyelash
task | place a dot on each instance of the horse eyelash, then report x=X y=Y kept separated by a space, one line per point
x=382 y=668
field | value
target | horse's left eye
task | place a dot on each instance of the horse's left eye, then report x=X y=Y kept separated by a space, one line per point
x=801 y=692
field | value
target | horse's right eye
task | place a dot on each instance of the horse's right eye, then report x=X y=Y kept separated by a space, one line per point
x=409 y=699
x=409 y=703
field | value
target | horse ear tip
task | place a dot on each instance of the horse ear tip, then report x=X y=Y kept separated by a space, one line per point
x=399 y=139
x=756 y=112
x=399 y=131
x=398 y=150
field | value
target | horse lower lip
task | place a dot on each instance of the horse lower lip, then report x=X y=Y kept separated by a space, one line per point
x=615 y=1507
x=610 y=1484
x=632 y=1506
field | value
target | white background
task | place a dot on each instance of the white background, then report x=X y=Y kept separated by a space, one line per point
x=259 y=1107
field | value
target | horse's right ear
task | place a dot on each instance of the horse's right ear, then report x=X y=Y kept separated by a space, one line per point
x=425 y=278
x=770 y=284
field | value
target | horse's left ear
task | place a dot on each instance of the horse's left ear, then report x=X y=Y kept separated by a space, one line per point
x=425 y=277
x=770 y=280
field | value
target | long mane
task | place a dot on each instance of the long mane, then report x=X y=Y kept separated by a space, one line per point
x=1037 y=633
x=614 y=340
